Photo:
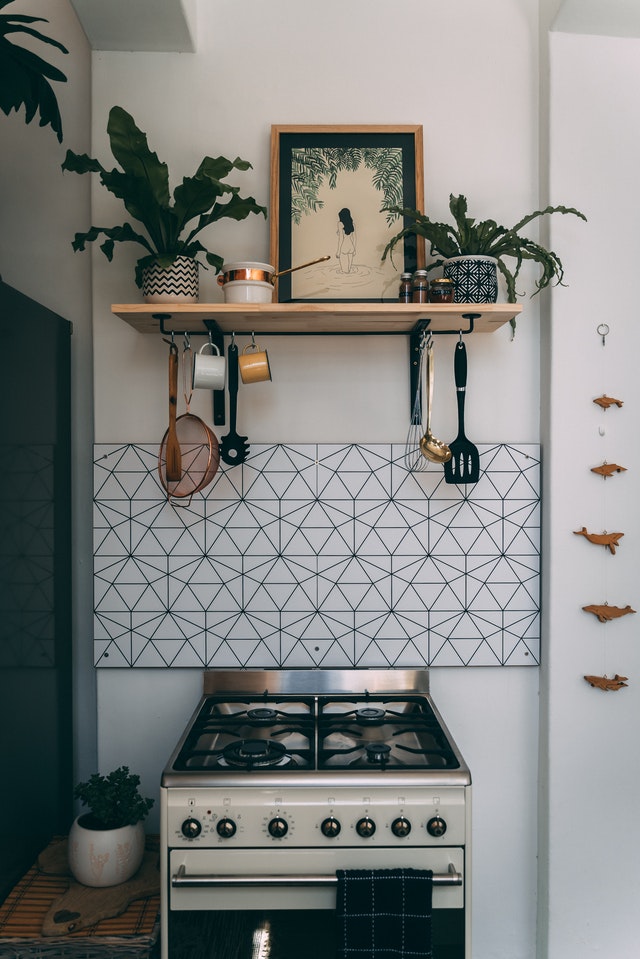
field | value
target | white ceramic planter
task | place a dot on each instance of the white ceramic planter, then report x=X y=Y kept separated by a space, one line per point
x=105 y=857
x=177 y=284
x=475 y=278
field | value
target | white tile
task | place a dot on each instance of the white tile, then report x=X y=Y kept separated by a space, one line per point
x=337 y=545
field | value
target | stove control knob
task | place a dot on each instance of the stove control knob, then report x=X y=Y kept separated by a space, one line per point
x=226 y=828
x=401 y=827
x=365 y=827
x=436 y=826
x=330 y=827
x=278 y=827
x=191 y=828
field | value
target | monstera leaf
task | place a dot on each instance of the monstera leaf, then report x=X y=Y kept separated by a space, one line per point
x=24 y=76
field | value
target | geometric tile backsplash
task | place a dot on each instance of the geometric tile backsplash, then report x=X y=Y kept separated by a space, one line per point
x=318 y=555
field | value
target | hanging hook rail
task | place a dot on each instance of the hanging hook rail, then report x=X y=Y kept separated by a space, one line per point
x=211 y=325
x=212 y=329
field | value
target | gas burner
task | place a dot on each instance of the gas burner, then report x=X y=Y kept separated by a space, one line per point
x=377 y=753
x=263 y=715
x=256 y=754
x=370 y=716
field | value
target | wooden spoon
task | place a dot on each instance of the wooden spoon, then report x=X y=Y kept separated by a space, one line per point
x=173 y=455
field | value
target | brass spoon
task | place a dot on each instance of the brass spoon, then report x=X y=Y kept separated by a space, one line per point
x=431 y=448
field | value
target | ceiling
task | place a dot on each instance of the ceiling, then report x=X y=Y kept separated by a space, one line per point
x=170 y=25
x=605 y=18
x=140 y=25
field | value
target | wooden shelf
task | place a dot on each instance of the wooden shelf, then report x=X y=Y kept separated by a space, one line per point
x=315 y=318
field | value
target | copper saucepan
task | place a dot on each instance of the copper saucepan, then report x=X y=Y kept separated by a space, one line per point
x=258 y=272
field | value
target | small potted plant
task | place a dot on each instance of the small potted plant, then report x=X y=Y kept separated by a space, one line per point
x=484 y=245
x=168 y=272
x=106 y=844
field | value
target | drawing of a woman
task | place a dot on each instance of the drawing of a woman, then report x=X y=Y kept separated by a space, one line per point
x=346 y=240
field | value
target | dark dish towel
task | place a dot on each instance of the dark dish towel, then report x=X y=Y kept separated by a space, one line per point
x=384 y=913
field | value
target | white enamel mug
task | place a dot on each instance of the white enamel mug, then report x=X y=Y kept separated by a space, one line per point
x=208 y=368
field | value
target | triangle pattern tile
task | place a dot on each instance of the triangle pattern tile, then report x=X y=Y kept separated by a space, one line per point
x=410 y=657
x=220 y=655
x=333 y=656
x=111 y=653
x=348 y=559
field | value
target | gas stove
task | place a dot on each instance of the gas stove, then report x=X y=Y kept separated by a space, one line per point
x=283 y=777
x=254 y=723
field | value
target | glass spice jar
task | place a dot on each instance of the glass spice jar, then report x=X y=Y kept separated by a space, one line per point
x=420 y=287
x=406 y=289
x=441 y=291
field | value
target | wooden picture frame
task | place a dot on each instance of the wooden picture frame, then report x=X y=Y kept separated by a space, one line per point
x=329 y=185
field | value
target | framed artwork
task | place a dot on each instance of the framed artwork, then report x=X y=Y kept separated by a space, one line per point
x=329 y=189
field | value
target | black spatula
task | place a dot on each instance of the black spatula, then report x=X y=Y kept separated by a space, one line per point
x=234 y=448
x=464 y=465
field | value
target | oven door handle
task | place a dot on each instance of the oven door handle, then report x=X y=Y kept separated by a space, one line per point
x=183 y=880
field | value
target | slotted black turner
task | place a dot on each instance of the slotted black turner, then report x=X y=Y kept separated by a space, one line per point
x=234 y=448
x=464 y=465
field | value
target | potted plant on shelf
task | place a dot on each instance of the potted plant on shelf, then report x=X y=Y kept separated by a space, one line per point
x=168 y=272
x=106 y=844
x=484 y=245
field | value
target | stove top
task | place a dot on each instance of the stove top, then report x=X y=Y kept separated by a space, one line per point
x=369 y=722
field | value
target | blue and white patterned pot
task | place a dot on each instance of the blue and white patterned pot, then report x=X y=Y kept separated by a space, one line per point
x=475 y=278
x=177 y=284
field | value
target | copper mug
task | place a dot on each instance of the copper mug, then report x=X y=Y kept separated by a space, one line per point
x=254 y=364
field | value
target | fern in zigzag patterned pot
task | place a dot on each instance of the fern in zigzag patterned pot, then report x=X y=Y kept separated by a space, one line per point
x=168 y=272
x=177 y=283
x=472 y=251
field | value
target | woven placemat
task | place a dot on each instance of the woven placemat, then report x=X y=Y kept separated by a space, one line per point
x=23 y=913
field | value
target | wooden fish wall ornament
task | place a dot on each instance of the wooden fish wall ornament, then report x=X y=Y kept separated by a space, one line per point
x=610 y=540
x=606 y=613
x=605 y=401
x=608 y=469
x=603 y=682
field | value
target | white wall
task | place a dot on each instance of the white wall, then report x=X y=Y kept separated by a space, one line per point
x=476 y=96
x=590 y=833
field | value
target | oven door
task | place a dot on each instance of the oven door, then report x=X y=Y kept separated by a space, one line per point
x=250 y=904
x=303 y=879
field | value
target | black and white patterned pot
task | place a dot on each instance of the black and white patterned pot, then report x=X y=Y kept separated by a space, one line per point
x=475 y=278
x=177 y=284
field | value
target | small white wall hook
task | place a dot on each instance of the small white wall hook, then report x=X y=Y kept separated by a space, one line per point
x=603 y=330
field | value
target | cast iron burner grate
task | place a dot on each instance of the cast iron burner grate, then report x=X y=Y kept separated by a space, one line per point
x=386 y=733
x=230 y=731
x=256 y=753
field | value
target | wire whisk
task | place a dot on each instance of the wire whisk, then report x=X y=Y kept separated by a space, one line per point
x=413 y=459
